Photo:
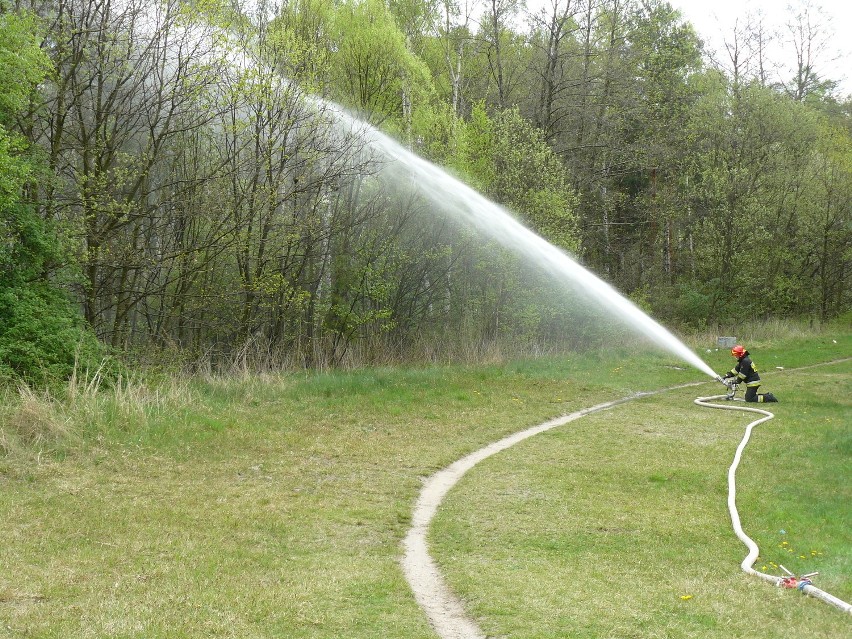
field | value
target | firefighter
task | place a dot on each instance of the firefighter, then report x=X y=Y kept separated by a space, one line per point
x=746 y=372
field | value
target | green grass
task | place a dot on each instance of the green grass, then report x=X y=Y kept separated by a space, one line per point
x=617 y=524
x=275 y=507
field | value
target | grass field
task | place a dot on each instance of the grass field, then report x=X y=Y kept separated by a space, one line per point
x=275 y=507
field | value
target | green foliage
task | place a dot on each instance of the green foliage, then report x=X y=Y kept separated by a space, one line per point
x=372 y=65
x=22 y=62
x=42 y=337
x=299 y=39
x=474 y=158
x=668 y=53
x=435 y=132
x=22 y=65
x=693 y=306
x=241 y=214
x=41 y=334
x=29 y=248
x=14 y=167
x=508 y=159
x=531 y=179
x=766 y=188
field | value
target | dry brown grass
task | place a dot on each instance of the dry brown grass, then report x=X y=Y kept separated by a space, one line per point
x=31 y=421
x=48 y=420
x=756 y=332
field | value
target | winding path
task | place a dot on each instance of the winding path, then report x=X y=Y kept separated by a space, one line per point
x=443 y=609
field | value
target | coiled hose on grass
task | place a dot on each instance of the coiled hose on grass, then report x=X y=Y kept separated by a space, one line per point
x=753 y=550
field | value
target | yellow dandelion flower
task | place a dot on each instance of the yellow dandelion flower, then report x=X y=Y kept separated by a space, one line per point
x=686 y=597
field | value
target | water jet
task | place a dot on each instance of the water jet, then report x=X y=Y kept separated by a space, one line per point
x=453 y=196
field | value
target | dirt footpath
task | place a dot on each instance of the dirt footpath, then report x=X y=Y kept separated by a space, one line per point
x=443 y=609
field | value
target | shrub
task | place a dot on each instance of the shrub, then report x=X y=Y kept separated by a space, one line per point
x=42 y=335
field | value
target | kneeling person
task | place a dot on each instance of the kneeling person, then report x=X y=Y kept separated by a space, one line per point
x=746 y=372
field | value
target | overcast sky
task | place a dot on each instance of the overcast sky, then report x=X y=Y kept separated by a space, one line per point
x=715 y=19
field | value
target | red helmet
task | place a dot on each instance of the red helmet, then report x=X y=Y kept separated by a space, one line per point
x=738 y=351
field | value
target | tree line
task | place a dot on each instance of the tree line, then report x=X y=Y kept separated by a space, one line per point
x=174 y=175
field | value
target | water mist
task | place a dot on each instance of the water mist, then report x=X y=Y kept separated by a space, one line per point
x=456 y=198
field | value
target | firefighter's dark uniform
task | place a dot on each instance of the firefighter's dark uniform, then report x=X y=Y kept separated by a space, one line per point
x=746 y=372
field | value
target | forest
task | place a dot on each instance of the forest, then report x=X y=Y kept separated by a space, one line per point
x=175 y=182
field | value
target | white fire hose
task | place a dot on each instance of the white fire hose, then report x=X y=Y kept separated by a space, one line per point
x=803 y=583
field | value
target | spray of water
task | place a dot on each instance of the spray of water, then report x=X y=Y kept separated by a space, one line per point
x=451 y=195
